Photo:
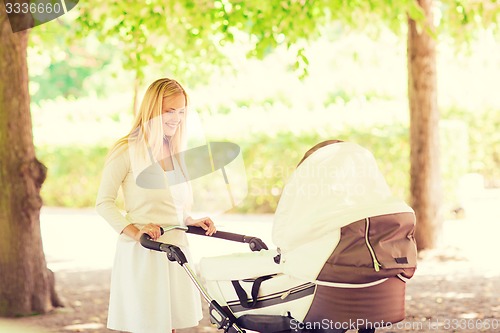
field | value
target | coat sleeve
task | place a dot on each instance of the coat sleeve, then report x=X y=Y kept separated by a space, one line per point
x=114 y=173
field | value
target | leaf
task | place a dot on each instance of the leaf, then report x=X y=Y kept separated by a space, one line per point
x=415 y=11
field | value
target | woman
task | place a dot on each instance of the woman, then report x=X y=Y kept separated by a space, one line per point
x=148 y=292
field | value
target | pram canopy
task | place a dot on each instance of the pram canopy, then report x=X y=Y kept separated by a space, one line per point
x=335 y=186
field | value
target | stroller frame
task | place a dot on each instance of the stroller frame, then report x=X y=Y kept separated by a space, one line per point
x=220 y=317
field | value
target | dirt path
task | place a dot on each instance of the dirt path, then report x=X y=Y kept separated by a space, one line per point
x=448 y=292
x=456 y=287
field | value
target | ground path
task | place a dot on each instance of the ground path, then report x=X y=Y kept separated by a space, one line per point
x=456 y=287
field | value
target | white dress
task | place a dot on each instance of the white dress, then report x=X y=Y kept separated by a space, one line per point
x=148 y=293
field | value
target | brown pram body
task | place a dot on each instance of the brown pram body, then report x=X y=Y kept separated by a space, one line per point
x=343 y=296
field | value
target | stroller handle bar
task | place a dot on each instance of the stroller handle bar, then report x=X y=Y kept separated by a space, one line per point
x=255 y=243
x=174 y=253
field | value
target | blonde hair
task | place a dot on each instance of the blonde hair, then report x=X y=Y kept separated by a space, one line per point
x=147 y=126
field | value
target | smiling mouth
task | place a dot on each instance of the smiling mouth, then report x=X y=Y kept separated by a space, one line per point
x=172 y=125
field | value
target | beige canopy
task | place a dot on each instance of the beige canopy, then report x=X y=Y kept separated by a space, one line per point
x=338 y=184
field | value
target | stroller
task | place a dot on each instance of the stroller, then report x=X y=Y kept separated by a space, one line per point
x=345 y=250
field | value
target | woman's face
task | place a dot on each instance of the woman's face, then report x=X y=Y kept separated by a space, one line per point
x=173 y=113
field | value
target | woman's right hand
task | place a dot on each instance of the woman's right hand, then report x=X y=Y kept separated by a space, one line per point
x=153 y=230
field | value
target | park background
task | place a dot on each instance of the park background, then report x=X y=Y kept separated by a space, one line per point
x=355 y=89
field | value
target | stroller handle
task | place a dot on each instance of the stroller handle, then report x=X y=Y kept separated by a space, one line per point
x=256 y=244
x=149 y=243
x=174 y=253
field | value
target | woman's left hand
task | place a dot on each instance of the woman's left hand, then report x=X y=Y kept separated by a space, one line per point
x=206 y=223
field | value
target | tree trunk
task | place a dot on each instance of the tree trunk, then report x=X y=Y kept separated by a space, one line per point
x=26 y=285
x=425 y=183
x=137 y=85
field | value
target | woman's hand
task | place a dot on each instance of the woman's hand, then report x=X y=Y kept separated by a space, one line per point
x=206 y=223
x=153 y=230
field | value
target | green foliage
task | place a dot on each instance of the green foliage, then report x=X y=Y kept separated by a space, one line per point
x=483 y=141
x=462 y=19
x=180 y=36
x=61 y=79
x=270 y=160
x=338 y=96
x=73 y=174
x=187 y=38
x=72 y=70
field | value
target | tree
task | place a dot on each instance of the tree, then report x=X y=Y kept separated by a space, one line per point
x=425 y=178
x=26 y=285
